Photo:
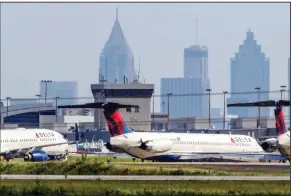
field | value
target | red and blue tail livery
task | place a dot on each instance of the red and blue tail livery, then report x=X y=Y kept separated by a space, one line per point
x=114 y=118
x=280 y=121
x=279 y=115
x=116 y=124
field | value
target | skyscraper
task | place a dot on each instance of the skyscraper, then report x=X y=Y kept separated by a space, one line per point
x=196 y=66
x=181 y=104
x=116 y=59
x=249 y=69
x=196 y=62
x=195 y=81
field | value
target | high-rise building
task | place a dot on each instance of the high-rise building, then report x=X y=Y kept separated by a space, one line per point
x=182 y=99
x=196 y=62
x=67 y=91
x=116 y=59
x=249 y=69
x=195 y=81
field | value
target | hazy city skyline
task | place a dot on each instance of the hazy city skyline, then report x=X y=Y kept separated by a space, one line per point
x=63 y=41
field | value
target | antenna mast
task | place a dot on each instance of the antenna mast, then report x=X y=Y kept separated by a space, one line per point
x=116 y=13
x=138 y=69
x=106 y=71
x=196 y=31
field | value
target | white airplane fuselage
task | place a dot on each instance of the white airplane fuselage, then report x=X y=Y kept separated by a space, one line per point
x=185 y=143
x=27 y=138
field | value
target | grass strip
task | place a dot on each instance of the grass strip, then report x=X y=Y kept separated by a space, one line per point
x=144 y=188
x=96 y=167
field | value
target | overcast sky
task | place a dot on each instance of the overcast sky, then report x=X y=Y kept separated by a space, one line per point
x=63 y=41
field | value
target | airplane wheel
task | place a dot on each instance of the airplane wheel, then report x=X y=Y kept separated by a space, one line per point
x=284 y=161
x=142 y=160
x=64 y=157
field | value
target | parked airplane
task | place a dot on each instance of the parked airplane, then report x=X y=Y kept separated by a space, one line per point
x=33 y=144
x=173 y=146
x=282 y=141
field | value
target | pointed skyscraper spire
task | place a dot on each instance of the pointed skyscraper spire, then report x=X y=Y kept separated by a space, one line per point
x=117 y=47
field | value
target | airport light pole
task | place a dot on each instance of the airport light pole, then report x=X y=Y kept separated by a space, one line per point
x=1 y=105
x=224 y=93
x=7 y=106
x=259 y=109
x=169 y=94
x=163 y=109
x=209 y=107
x=46 y=82
x=282 y=90
x=38 y=108
x=57 y=108
x=154 y=112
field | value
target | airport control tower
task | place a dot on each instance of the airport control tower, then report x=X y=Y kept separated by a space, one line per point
x=135 y=94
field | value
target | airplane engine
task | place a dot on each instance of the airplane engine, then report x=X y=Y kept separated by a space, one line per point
x=113 y=148
x=270 y=145
x=37 y=156
x=157 y=146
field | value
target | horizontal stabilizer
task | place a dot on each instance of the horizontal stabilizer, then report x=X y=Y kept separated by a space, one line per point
x=87 y=105
x=268 y=103
x=100 y=105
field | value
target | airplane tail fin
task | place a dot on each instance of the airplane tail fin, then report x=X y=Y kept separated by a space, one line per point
x=279 y=121
x=116 y=124
x=114 y=118
x=77 y=136
x=279 y=115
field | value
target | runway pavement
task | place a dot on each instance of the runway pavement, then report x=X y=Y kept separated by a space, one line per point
x=151 y=178
x=253 y=165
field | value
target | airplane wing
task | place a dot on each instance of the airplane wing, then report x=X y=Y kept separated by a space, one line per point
x=27 y=150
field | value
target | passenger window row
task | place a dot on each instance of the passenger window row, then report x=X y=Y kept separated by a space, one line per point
x=28 y=140
x=212 y=143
